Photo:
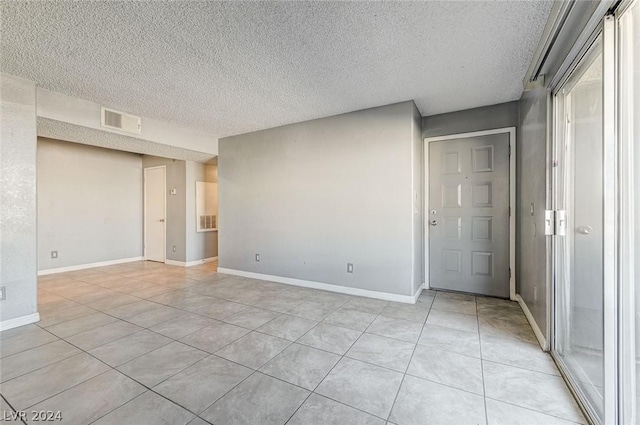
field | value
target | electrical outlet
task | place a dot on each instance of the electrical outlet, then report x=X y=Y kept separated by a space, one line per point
x=54 y=254
x=349 y=267
x=3 y=293
x=174 y=248
x=257 y=258
x=535 y=292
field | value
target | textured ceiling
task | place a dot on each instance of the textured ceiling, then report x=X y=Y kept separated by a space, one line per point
x=233 y=67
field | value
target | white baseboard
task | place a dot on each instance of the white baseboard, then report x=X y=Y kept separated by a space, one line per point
x=19 y=321
x=409 y=299
x=534 y=325
x=190 y=263
x=88 y=266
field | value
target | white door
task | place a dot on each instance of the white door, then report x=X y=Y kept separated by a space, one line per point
x=469 y=215
x=154 y=219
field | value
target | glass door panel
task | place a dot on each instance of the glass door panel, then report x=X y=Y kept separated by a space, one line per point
x=579 y=251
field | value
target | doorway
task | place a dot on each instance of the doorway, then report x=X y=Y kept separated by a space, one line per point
x=469 y=229
x=155 y=213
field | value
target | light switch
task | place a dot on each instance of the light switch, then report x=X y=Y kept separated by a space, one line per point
x=173 y=191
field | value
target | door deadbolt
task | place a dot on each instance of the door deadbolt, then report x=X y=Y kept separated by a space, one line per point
x=433 y=223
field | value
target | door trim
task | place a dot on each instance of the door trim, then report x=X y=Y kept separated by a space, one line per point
x=144 y=207
x=512 y=198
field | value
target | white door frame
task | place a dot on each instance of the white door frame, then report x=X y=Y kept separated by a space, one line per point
x=512 y=198
x=144 y=206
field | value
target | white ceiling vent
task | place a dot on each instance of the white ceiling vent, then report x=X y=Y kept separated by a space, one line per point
x=120 y=121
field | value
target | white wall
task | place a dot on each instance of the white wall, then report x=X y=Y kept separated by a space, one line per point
x=18 y=201
x=314 y=196
x=89 y=204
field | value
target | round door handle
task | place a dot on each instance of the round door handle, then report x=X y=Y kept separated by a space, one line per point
x=433 y=223
x=585 y=230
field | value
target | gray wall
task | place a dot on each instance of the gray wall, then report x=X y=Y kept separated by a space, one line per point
x=418 y=191
x=89 y=204
x=313 y=196
x=18 y=267
x=532 y=143
x=176 y=205
x=477 y=119
x=181 y=209
x=201 y=245
x=531 y=253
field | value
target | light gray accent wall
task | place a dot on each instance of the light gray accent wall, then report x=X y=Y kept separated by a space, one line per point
x=89 y=204
x=18 y=244
x=200 y=245
x=176 y=205
x=531 y=255
x=314 y=196
x=417 y=180
x=477 y=119
x=533 y=139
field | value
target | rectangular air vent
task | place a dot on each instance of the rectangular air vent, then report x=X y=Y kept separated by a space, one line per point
x=121 y=121
x=208 y=222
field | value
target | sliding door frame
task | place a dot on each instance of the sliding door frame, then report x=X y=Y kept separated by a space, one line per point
x=607 y=30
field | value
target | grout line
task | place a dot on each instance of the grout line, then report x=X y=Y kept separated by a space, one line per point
x=12 y=409
x=404 y=375
x=308 y=297
x=484 y=390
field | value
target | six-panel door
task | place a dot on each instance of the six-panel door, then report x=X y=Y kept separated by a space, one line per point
x=469 y=215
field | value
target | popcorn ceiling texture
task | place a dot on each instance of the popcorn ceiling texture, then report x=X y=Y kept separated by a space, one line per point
x=234 y=67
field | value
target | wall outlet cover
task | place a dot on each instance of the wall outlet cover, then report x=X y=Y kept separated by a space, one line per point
x=258 y=258
x=3 y=293
x=54 y=254
x=349 y=267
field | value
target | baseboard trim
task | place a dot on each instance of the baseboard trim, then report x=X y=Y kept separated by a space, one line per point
x=408 y=299
x=190 y=263
x=19 y=321
x=534 y=325
x=88 y=266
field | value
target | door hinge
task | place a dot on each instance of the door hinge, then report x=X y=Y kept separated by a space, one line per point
x=555 y=222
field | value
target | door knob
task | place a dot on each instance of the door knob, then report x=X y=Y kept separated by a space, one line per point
x=433 y=223
x=585 y=230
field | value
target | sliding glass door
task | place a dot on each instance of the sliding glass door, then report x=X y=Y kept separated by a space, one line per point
x=580 y=243
x=596 y=198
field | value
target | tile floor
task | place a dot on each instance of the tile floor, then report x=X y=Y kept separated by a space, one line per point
x=145 y=343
